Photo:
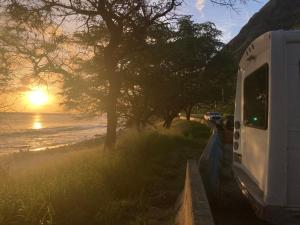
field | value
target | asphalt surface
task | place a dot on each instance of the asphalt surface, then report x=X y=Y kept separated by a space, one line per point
x=229 y=206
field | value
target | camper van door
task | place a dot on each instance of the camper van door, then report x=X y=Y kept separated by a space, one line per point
x=255 y=121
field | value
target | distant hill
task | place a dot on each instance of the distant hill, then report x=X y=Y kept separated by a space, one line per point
x=275 y=15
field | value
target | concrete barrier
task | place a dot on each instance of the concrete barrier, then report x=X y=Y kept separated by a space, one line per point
x=194 y=207
x=210 y=163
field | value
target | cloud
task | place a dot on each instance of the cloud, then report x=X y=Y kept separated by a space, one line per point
x=200 y=4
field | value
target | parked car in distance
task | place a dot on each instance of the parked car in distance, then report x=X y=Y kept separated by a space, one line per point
x=213 y=117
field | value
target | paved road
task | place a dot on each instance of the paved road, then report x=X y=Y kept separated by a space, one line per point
x=229 y=206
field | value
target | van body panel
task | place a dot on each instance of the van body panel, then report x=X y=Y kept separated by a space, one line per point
x=293 y=148
x=277 y=155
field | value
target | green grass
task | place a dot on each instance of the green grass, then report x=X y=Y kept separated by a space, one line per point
x=137 y=183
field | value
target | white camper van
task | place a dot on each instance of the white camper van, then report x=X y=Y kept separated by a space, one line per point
x=267 y=126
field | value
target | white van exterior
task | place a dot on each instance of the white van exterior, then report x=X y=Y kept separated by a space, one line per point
x=267 y=126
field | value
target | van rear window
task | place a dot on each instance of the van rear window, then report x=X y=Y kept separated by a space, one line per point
x=256 y=89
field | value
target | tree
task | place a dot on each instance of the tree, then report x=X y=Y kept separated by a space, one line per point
x=22 y=47
x=197 y=45
x=126 y=23
x=94 y=52
x=220 y=74
x=6 y=61
x=168 y=76
x=229 y=3
x=190 y=49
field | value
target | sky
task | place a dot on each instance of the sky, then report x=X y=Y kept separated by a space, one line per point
x=228 y=21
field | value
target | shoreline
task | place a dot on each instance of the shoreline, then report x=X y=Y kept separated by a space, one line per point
x=23 y=132
x=97 y=140
x=16 y=163
x=63 y=148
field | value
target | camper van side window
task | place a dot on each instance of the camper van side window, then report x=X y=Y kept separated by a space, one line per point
x=256 y=98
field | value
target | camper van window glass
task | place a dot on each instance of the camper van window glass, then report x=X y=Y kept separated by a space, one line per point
x=256 y=98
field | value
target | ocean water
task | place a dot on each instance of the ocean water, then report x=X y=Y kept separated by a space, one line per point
x=35 y=132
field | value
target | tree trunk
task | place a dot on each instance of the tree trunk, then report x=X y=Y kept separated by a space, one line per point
x=168 y=119
x=138 y=125
x=188 y=112
x=112 y=117
x=168 y=123
x=114 y=91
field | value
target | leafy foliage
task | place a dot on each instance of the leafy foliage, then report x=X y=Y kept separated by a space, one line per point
x=168 y=75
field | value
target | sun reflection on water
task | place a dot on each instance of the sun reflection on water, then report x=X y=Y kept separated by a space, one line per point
x=37 y=124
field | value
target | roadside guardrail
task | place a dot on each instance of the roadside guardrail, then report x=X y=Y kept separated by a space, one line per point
x=194 y=207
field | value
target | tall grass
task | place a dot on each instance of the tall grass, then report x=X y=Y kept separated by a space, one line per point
x=138 y=183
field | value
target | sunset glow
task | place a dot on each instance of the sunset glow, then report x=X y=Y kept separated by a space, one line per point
x=38 y=97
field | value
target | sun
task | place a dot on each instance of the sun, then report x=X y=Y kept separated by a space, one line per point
x=38 y=97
